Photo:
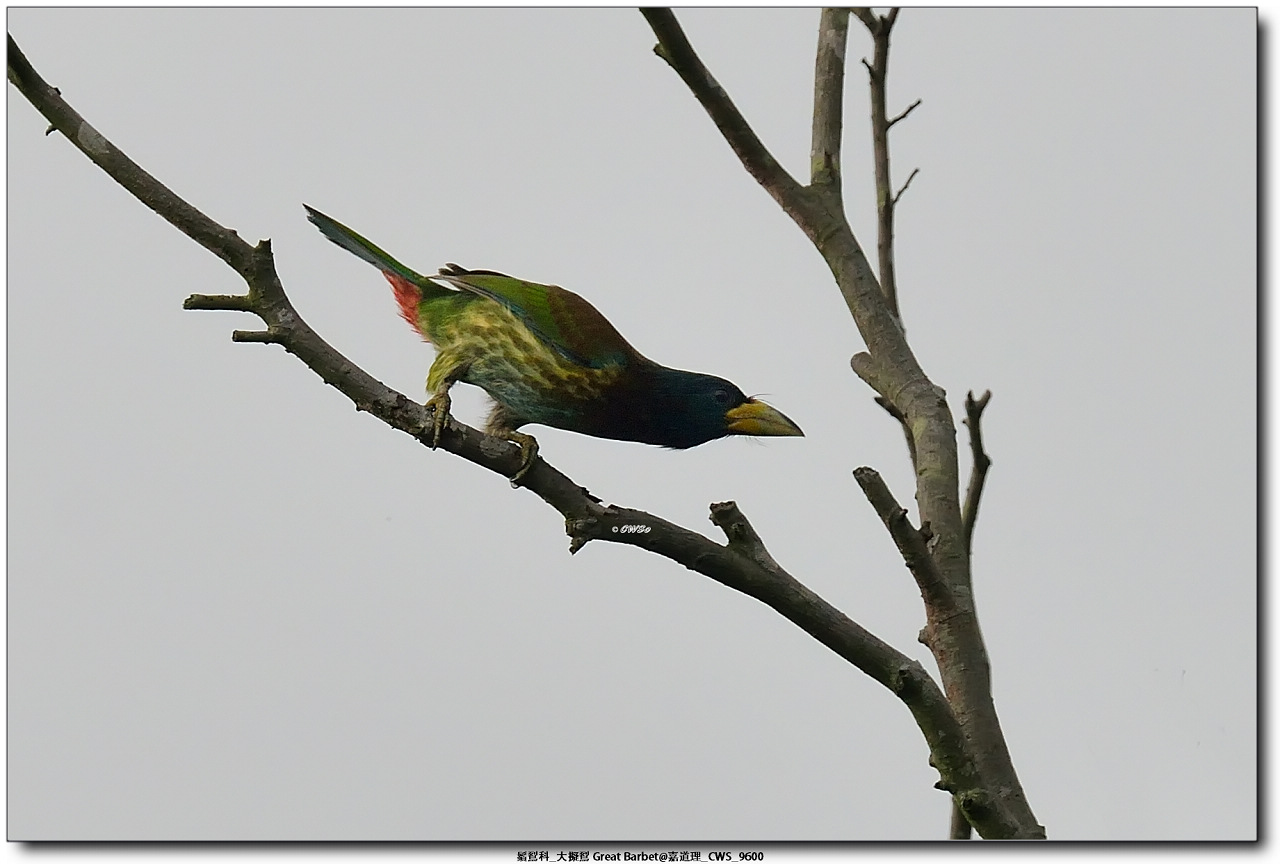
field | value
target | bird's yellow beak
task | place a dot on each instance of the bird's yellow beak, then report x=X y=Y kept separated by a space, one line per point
x=756 y=418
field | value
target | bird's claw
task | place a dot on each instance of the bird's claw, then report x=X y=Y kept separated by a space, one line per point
x=439 y=405
x=528 y=452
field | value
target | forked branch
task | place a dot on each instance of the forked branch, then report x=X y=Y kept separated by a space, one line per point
x=880 y=27
x=998 y=808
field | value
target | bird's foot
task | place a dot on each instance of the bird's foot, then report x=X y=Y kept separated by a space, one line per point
x=438 y=405
x=528 y=451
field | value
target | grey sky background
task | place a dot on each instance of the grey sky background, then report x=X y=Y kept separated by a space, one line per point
x=238 y=609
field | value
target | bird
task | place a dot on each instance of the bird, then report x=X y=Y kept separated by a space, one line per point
x=545 y=355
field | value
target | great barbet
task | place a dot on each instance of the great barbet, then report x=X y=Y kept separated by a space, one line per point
x=545 y=355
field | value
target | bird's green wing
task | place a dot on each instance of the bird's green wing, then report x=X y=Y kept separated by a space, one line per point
x=562 y=319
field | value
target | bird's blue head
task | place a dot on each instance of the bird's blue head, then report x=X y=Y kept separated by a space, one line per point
x=689 y=408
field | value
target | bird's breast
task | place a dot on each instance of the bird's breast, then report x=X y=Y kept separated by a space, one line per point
x=506 y=359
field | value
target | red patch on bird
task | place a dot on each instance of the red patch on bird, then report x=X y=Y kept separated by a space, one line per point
x=408 y=296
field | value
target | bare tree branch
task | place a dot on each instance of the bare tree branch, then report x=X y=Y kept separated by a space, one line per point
x=903 y=115
x=742 y=537
x=673 y=46
x=266 y=337
x=961 y=728
x=999 y=808
x=960 y=828
x=200 y=228
x=828 y=100
x=742 y=564
x=910 y=177
x=912 y=543
x=223 y=302
x=973 y=409
x=877 y=72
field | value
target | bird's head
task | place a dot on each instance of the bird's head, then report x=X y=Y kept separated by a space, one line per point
x=696 y=408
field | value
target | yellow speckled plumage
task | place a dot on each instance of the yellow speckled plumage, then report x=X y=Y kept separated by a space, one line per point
x=488 y=342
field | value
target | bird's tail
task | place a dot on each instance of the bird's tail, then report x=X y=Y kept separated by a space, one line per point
x=363 y=249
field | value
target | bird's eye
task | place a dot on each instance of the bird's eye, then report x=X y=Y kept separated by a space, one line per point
x=721 y=397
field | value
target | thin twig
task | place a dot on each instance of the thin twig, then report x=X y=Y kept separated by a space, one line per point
x=904 y=186
x=904 y=113
x=973 y=409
